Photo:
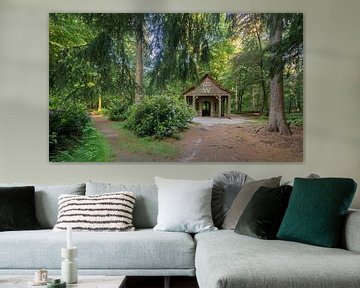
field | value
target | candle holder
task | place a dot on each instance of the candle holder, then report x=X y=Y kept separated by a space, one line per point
x=68 y=265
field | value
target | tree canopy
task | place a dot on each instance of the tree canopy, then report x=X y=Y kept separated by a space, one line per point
x=127 y=56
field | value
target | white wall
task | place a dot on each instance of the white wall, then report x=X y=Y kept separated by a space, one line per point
x=332 y=92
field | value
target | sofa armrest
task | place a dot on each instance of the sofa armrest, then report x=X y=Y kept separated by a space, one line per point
x=351 y=234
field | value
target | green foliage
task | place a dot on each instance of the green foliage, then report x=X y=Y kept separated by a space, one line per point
x=295 y=119
x=262 y=119
x=67 y=122
x=92 y=55
x=117 y=110
x=159 y=116
x=92 y=147
x=87 y=59
x=68 y=36
x=182 y=42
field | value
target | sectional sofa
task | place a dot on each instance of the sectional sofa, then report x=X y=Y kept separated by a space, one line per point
x=219 y=259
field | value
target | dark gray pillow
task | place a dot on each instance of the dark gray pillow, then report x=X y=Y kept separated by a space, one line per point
x=226 y=187
x=243 y=198
x=17 y=209
x=263 y=214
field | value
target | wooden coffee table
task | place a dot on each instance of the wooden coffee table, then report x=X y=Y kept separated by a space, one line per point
x=84 y=281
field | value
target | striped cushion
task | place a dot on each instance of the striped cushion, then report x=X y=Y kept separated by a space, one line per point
x=105 y=212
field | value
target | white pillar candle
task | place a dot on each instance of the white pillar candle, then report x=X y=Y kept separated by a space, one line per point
x=69 y=237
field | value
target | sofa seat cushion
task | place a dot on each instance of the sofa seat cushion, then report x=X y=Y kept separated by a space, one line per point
x=226 y=259
x=142 y=249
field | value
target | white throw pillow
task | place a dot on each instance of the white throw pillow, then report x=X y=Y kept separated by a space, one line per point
x=184 y=205
x=105 y=212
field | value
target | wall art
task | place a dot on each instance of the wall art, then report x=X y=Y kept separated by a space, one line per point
x=176 y=87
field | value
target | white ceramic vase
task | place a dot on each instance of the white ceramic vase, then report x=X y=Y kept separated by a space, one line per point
x=69 y=270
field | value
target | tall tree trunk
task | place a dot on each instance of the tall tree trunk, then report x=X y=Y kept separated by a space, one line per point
x=277 y=121
x=265 y=100
x=240 y=100
x=139 y=74
x=139 y=70
x=99 y=104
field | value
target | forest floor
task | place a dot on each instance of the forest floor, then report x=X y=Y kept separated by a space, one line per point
x=209 y=139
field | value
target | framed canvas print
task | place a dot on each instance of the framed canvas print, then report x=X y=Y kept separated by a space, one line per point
x=176 y=87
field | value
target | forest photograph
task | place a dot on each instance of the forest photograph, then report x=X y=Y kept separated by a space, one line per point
x=176 y=87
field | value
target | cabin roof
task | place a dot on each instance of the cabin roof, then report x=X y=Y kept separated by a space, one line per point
x=216 y=84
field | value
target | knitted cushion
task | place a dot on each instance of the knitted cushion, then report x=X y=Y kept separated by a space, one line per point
x=316 y=211
x=105 y=212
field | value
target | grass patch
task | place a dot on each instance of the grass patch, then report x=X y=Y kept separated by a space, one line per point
x=92 y=147
x=262 y=119
x=144 y=145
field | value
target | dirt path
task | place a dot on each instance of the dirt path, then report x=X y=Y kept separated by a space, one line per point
x=239 y=139
x=114 y=139
x=110 y=134
x=239 y=143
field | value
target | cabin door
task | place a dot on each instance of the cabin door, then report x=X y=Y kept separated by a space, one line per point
x=206 y=108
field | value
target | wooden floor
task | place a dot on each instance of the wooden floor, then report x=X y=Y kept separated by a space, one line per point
x=158 y=282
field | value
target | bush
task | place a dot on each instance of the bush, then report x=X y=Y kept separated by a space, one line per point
x=117 y=110
x=66 y=123
x=91 y=148
x=295 y=119
x=159 y=116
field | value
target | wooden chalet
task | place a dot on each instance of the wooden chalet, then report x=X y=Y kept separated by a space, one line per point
x=209 y=98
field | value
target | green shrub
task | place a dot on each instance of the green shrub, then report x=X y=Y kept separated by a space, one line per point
x=92 y=147
x=66 y=123
x=295 y=119
x=117 y=110
x=159 y=116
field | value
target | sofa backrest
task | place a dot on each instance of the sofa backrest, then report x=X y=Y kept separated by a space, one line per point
x=146 y=203
x=351 y=236
x=46 y=200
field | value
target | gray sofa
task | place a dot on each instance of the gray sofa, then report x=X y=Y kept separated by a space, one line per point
x=218 y=259
x=226 y=259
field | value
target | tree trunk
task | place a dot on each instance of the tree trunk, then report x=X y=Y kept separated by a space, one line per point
x=290 y=103
x=240 y=101
x=139 y=69
x=99 y=104
x=265 y=103
x=139 y=74
x=277 y=121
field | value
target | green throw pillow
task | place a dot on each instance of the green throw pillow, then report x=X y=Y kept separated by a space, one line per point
x=316 y=211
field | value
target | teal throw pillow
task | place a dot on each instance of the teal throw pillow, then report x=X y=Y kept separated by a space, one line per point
x=316 y=211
